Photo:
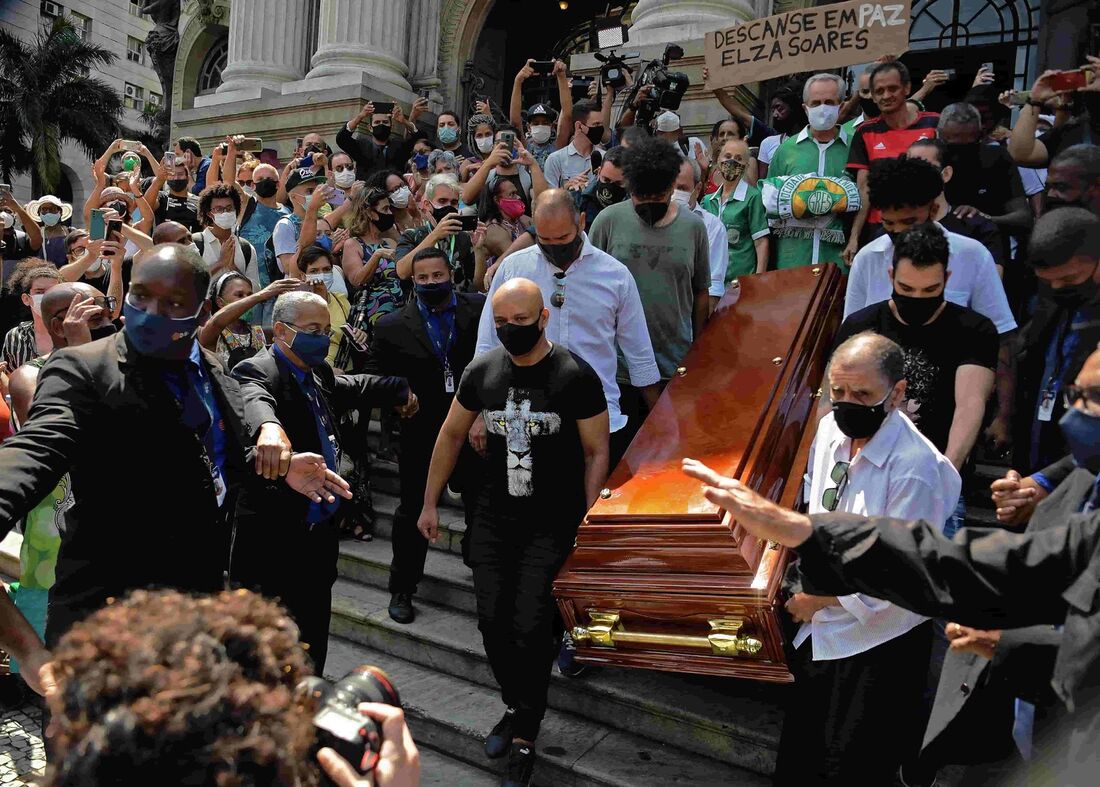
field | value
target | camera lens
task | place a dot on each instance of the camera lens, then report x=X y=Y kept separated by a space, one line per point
x=365 y=684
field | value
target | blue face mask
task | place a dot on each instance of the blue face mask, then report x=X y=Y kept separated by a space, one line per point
x=312 y=348
x=157 y=336
x=324 y=241
x=420 y=161
x=1082 y=433
x=448 y=135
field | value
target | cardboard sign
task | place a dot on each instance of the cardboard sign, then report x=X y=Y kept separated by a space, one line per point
x=809 y=39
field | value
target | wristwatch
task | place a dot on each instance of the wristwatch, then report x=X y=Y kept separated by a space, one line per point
x=1033 y=103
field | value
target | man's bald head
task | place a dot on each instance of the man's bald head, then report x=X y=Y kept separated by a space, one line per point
x=55 y=305
x=873 y=352
x=171 y=232
x=168 y=262
x=556 y=201
x=558 y=225
x=519 y=302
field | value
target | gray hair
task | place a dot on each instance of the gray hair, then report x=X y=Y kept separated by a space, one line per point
x=696 y=170
x=959 y=112
x=289 y=305
x=870 y=346
x=841 y=87
x=442 y=179
x=441 y=155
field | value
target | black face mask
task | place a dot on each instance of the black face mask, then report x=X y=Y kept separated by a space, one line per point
x=103 y=331
x=380 y=132
x=916 y=311
x=384 y=221
x=519 y=339
x=869 y=107
x=266 y=188
x=594 y=134
x=435 y=294
x=609 y=193
x=859 y=421
x=1073 y=296
x=561 y=254
x=178 y=184
x=963 y=156
x=441 y=213
x=651 y=212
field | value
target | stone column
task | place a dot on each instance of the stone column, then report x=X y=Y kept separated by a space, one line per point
x=424 y=43
x=363 y=35
x=267 y=44
x=675 y=21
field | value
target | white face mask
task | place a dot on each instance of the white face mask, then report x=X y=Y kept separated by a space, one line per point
x=7 y=219
x=36 y=303
x=50 y=219
x=344 y=178
x=226 y=221
x=822 y=117
x=97 y=266
x=325 y=278
x=540 y=134
x=485 y=144
x=400 y=198
x=683 y=197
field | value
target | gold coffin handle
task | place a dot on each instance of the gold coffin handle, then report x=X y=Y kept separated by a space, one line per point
x=605 y=630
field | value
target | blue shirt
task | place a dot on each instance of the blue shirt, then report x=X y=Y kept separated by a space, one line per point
x=441 y=328
x=257 y=231
x=200 y=176
x=200 y=412
x=318 y=512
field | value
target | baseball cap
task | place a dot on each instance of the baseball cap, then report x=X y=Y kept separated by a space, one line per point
x=303 y=175
x=540 y=109
x=668 y=121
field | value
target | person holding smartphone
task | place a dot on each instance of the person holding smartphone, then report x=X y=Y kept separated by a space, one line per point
x=442 y=197
x=1084 y=83
x=382 y=149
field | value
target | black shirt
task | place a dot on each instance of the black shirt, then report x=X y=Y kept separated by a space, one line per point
x=184 y=210
x=1076 y=132
x=535 y=458
x=986 y=182
x=459 y=250
x=933 y=354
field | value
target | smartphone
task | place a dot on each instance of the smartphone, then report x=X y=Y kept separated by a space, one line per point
x=114 y=229
x=5 y=188
x=1069 y=80
x=951 y=73
x=250 y=145
x=351 y=339
x=469 y=223
x=1019 y=98
x=97 y=228
x=298 y=143
x=509 y=137
x=425 y=93
x=987 y=67
x=170 y=159
x=543 y=67
x=383 y=107
x=129 y=144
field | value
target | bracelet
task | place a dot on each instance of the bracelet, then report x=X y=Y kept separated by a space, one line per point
x=1033 y=103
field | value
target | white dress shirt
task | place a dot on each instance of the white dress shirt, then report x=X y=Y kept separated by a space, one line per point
x=718 y=236
x=212 y=250
x=602 y=310
x=565 y=163
x=898 y=473
x=973 y=282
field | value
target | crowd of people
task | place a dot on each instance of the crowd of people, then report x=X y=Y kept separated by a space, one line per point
x=510 y=294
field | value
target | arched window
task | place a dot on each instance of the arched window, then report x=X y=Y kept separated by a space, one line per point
x=210 y=74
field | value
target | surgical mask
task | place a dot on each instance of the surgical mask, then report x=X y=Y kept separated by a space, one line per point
x=344 y=178
x=420 y=161
x=512 y=207
x=731 y=169
x=519 y=339
x=400 y=198
x=484 y=144
x=540 y=134
x=36 y=303
x=448 y=135
x=682 y=197
x=651 y=212
x=822 y=117
x=103 y=331
x=157 y=336
x=50 y=219
x=561 y=254
x=324 y=241
x=594 y=134
x=266 y=188
x=435 y=294
x=96 y=267
x=1082 y=433
x=180 y=184
x=609 y=193
x=868 y=107
x=7 y=220
x=916 y=311
x=384 y=221
x=381 y=132
x=325 y=278
x=443 y=212
x=226 y=220
x=312 y=348
x=859 y=421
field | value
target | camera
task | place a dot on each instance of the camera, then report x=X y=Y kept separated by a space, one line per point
x=668 y=87
x=338 y=723
x=614 y=69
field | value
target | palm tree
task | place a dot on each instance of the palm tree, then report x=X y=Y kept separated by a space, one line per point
x=48 y=94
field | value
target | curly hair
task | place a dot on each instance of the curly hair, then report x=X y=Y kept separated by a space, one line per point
x=903 y=183
x=210 y=193
x=27 y=271
x=165 y=688
x=650 y=167
x=361 y=224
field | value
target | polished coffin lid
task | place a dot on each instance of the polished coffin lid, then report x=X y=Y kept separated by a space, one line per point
x=741 y=404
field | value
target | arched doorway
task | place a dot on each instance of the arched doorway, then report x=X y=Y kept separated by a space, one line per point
x=200 y=60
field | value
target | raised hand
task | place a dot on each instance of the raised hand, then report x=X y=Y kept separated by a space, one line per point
x=309 y=476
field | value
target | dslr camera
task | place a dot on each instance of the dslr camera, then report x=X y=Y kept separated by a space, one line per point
x=339 y=724
x=668 y=86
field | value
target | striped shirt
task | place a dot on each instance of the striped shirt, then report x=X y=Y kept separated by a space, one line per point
x=875 y=140
x=20 y=345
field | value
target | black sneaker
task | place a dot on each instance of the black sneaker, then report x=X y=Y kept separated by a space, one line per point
x=567 y=663
x=521 y=764
x=401 y=608
x=500 y=739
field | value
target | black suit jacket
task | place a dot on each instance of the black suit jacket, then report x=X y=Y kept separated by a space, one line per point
x=401 y=347
x=369 y=157
x=145 y=512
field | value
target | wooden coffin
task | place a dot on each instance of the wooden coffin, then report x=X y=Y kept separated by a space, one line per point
x=657 y=579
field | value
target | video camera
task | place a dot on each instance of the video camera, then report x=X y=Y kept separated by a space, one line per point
x=668 y=86
x=338 y=722
x=614 y=69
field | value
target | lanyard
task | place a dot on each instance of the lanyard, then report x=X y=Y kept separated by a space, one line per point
x=441 y=344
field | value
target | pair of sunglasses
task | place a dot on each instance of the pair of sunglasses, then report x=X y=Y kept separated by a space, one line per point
x=830 y=498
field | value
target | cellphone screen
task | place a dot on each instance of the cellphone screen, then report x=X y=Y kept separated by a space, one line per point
x=114 y=229
x=383 y=107
x=97 y=228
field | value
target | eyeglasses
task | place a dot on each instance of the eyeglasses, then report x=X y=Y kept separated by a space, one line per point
x=108 y=302
x=557 y=300
x=839 y=475
x=322 y=332
x=1075 y=392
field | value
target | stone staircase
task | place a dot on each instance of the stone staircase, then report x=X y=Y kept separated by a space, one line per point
x=608 y=727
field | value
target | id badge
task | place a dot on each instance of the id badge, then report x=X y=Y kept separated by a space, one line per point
x=1046 y=405
x=448 y=381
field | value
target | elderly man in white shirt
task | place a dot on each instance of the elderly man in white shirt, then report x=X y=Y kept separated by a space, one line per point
x=689 y=188
x=594 y=304
x=861 y=663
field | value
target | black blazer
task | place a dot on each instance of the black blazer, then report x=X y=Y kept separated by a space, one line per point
x=401 y=347
x=145 y=511
x=271 y=394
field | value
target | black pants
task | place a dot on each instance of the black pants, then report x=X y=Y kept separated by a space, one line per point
x=854 y=720
x=294 y=564
x=514 y=570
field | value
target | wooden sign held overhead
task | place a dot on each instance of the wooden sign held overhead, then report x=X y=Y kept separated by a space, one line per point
x=809 y=39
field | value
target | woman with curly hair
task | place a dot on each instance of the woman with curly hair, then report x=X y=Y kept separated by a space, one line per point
x=368 y=262
x=30 y=339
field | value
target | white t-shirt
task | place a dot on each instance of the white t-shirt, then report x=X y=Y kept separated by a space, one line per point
x=285 y=240
x=769 y=146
